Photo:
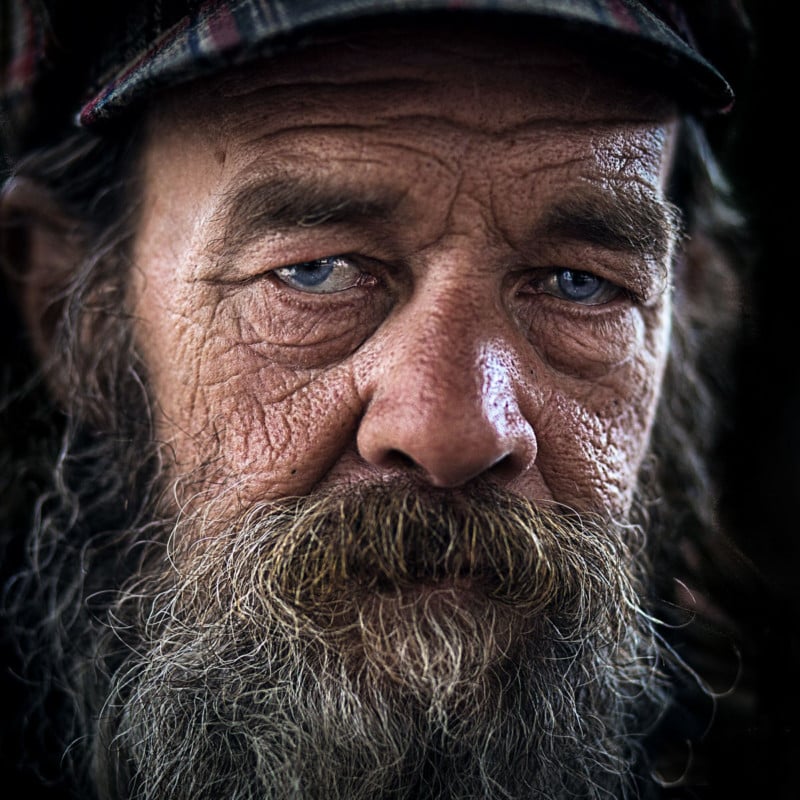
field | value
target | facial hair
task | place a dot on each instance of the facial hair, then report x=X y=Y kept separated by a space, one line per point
x=382 y=641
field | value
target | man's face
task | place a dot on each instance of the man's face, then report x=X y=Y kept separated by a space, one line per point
x=444 y=260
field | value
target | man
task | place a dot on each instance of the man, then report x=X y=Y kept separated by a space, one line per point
x=373 y=329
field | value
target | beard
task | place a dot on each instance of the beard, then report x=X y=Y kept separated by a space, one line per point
x=381 y=641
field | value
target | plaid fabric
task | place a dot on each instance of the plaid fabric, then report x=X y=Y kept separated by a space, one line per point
x=223 y=33
x=119 y=59
x=21 y=48
x=21 y=53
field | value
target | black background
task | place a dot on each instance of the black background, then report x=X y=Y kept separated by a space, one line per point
x=760 y=458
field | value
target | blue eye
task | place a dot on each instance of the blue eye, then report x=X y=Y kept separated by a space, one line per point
x=581 y=287
x=578 y=285
x=321 y=276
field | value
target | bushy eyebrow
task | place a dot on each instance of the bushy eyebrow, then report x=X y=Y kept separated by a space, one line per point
x=639 y=224
x=282 y=203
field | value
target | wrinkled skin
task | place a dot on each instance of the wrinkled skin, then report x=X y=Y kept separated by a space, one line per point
x=450 y=348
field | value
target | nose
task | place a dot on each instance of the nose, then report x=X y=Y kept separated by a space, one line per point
x=444 y=403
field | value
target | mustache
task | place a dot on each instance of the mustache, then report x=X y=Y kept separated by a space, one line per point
x=324 y=555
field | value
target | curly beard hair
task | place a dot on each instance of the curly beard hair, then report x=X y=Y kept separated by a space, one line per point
x=387 y=642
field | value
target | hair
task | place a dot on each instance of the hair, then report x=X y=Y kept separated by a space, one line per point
x=63 y=475
x=67 y=464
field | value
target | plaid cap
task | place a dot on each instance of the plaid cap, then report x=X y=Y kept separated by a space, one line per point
x=56 y=61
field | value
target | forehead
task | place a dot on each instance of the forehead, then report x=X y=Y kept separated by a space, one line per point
x=425 y=123
x=361 y=73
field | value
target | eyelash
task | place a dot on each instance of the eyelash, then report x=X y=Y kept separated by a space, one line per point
x=294 y=275
x=550 y=282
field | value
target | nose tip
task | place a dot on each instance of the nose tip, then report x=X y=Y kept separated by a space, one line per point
x=448 y=431
x=447 y=454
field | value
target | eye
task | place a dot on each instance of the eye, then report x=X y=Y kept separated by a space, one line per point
x=579 y=287
x=322 y=276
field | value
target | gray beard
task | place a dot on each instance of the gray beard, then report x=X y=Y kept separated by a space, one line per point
x=383 y=642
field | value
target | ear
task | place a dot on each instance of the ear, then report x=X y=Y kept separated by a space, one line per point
x=40 y=248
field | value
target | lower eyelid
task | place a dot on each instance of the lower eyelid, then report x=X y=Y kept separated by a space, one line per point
x=546 y=283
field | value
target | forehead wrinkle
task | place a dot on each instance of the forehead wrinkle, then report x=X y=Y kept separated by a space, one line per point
x=333 y=117
x=344 y=100
x=313 y=140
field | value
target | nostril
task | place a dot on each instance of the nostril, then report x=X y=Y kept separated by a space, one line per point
x=506 y=468
x=447 y=439
x=397 y=459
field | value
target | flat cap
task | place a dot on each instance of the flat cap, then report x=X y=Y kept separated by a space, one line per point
x=71 y=62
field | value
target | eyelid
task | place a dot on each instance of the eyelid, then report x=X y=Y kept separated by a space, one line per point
x=545 y=281
x=355 y=277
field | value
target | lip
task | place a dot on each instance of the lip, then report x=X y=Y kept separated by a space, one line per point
x=433 y=598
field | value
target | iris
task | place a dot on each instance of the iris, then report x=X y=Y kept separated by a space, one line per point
x=322 y=276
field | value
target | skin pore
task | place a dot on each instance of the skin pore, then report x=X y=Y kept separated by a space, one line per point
x=379 y=258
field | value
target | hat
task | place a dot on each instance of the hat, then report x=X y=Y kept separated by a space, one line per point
x=69 y=60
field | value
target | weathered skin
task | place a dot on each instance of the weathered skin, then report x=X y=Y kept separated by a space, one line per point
x=447 y=351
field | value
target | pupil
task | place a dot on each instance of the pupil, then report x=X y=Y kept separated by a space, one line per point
x=578 y=285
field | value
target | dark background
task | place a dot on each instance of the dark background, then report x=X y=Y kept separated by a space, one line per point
x=761 y=456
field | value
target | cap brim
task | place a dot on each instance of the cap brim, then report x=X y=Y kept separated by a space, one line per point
x=228 y=34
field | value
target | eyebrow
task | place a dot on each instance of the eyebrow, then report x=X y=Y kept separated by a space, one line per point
x=639 y=224
x=619 y=221
x=284 y=203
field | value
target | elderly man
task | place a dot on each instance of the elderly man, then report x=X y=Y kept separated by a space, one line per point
x=372 y=329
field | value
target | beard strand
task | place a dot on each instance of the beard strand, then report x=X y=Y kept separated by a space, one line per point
x=386 y=641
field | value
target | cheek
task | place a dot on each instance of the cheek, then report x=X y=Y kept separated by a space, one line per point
x=595 y=428
x=591 y=447
x=244 y=396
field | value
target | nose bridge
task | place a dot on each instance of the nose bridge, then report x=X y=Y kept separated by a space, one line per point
x=445 y=396
x=442 y=355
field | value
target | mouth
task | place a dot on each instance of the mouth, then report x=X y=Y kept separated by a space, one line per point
x=464 y=591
